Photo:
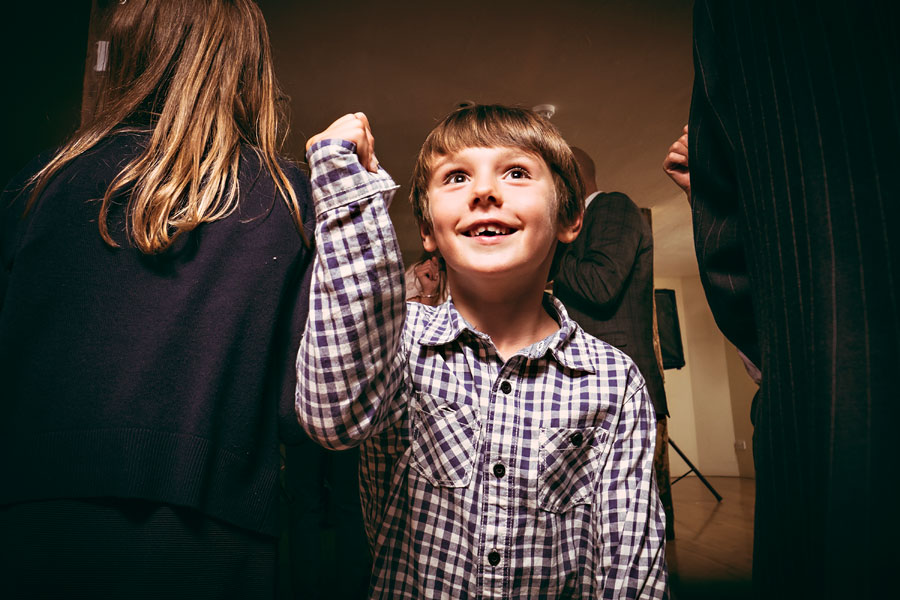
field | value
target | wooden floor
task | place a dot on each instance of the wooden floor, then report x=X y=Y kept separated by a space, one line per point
x=711 y=555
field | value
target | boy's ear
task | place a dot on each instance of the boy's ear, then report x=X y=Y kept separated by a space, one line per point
x=567 y=233
x=427 y=237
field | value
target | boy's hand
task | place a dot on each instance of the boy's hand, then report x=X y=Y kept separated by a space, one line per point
x=676 y=163
x=352 y=128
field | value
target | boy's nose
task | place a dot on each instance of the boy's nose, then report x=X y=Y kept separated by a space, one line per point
x=485 y=192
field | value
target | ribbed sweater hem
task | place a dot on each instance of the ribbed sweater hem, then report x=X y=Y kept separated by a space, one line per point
x=166 y=467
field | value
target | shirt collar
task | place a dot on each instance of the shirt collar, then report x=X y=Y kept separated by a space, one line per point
x=444 y=326
x=589 y=199
x=567 y=345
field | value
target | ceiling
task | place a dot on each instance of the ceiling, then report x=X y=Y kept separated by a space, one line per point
x=619 y=73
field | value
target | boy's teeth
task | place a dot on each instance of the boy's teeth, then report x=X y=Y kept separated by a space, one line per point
x=490 y=230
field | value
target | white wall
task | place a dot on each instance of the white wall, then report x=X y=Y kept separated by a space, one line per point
x=708 y=398
x=743 y=389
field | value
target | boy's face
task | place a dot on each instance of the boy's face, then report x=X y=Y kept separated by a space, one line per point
x=494 y=212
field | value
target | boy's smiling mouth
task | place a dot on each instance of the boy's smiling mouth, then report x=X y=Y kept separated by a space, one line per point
x=488 y=230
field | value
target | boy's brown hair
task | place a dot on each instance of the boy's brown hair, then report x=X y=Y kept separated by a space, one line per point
x=497 y=126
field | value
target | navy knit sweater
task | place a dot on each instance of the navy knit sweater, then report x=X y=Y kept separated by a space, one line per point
x=167 y=378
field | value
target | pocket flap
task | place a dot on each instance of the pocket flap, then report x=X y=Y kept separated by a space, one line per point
x=445 y=438
x=569 y=462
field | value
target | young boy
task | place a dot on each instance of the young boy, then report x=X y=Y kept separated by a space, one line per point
x=505 y=453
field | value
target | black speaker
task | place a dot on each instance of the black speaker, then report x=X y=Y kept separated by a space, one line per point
x=669 y=330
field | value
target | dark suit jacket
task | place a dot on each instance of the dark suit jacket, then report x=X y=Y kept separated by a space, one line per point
x=794 y=155
x=605 y=279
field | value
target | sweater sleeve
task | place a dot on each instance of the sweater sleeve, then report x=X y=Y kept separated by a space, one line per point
x=12 y=221
x=296 y=312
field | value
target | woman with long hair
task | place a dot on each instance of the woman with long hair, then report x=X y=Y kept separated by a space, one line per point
x=152 y=294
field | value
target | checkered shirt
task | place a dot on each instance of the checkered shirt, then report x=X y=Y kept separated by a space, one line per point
x=530 y=477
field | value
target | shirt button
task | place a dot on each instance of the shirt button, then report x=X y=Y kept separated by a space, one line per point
x=505 y=387
x=499 y=470
x=576 y=438
x=494 y=558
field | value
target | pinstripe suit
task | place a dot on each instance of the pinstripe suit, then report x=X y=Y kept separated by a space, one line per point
x=794 y=155
x=605 y=280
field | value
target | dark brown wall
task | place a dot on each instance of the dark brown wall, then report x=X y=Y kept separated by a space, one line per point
x=43 y=57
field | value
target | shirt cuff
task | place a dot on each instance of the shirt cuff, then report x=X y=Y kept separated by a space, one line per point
x=338 y=178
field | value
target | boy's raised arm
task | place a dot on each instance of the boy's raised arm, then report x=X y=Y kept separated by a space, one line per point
x=348 y=365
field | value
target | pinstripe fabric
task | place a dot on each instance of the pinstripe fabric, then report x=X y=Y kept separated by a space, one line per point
x=529 y=478
x=795 y=147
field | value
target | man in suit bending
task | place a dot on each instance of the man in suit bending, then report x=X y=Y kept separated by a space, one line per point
x=605 y=280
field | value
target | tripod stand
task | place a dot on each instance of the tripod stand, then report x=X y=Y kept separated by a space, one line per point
x=693 y=469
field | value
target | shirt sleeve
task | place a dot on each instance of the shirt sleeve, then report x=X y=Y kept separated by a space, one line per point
x=596 y=267
x=349 y=364
x=632 y=519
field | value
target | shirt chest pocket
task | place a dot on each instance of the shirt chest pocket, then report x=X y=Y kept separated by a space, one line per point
x=445 y=438
x=569 y=465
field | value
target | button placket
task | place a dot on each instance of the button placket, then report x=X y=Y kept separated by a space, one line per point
x=497 y=485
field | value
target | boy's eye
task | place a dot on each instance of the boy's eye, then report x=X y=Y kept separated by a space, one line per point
x=517 y=173
x=455 y=177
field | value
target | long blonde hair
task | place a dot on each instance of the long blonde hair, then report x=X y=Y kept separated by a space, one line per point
x=197 y=75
